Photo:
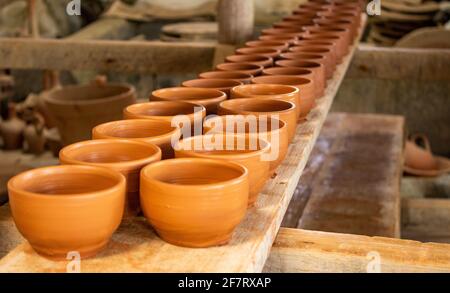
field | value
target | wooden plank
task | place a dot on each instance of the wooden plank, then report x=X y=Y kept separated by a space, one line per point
x=10 y=237
x=136 y=248
x=296 y=251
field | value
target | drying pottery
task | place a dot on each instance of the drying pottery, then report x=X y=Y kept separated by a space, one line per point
x=329 y=56
x=67 y=208
x=252 y=59
x=278 y=109
x=299 y=24
x=272 y=130
x=305 y=86
x=343 y=34
x=286 y=38
x=77 y=109
x=12 y=129
x=34 y=135
x=335 y=22
x=282 y=46
x=244 y=78
x=293 y=32
x=268 y=52
x=209 y=98
x=249 y=151
x=157 y=132
x=223 y=85
x=243 y=67
x=125 y=156
x=336 y=40
x=291 y=71
x=194 y=202
x=323 y=59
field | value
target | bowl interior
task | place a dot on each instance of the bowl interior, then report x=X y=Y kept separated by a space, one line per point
x=162 y=109
x=211 y=83
x=257 y=105
x=238 y=124
x=135 y=128
x=264 y=89
x=88 y=92
x=187 y=93
x=282 y=80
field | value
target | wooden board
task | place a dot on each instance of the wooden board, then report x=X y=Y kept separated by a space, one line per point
x=426 y=38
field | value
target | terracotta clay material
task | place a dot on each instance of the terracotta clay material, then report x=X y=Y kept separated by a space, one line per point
x=268 y=52
x=243 y=67
x=336 y=40
x=318 y=71
x=245 y=150
x=287 y=38
x=125 y=156
x=77 y=109
x=348 y=15
x=223 y=85
x=252 y=59
x=293 y=24
x=209 y=98
x=305 y=18
x=301 y=44
x=67 y=208
x=12 y=129
x=194 y=202
x=282 y=46
x=157 y=132
x=291 y=71
x=293 y=32
x=305 y=86
x=278 y=109
x=234 y=75
x=328 y=54
x=323 y=58
x=272 y=130
x=343 y=34
x=334 y=22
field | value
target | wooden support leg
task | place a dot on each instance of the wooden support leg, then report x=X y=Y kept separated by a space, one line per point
x=236 y=21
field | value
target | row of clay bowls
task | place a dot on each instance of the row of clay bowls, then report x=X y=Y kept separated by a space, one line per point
x=198 y=198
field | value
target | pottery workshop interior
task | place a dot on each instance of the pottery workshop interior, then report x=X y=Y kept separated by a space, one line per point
x=225 y=136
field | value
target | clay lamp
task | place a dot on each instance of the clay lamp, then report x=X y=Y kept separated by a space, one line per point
x=244 y=78
x=268 y=52
x=243 y=67
x=277 y=45
x=322 y=56
x=252 y=59
x=223 y=85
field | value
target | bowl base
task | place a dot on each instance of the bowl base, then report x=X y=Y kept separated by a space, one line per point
x=58 y=255
x=203 y=242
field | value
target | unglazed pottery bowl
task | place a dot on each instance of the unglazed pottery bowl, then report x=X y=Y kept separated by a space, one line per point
x=249 y=151
x=268 y=52
x=328 y=55
x=243 y=67
x=291 y=71
x=277 y=45
x=223 y=85
x=209 y=98
x=157 y=132
x=67 y=208
x=125 y=156
x=194 y=202
x=336 y=40
x=281 y=31
x=234 y=75
x=252 y=59
x=286 y=38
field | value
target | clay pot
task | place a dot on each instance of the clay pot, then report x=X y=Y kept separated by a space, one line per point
x=171 y=112
x=323 y=59
x=268 y=52
x=349 y=15
x=291 y=71
x=272 y=130
x=340 y=49
x=245 y=150
x=209 y=98
x=333 y=22
x=223 y=85
x=125 y=156
x=157 y=132
x=248 y=68
x=419 y=158
x=252 y=59
x=286 y=38
x=282 y=46
x=328 y=55
x=12 y=129
x=305 y=86
x=67 y=208
x=316 y=43
x=343 y=34
x=77 y=109
x=299 y=24
x=194 y=202
x=34 y=135
x=292 y=32
x=278 y=109
x=317 y=69
x=304 y=18
x=244 y=78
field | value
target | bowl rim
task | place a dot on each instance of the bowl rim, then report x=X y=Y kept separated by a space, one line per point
x=143 y=116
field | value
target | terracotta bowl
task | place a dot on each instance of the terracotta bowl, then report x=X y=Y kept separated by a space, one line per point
x=299 y=24
x=234 y=75
x=59 y=209
x=268 y=52
x=309 y=12
x=328 y=55
x=287 y=38
x=282 y=31
x=323 y=59
x=194 y=202
x=272 y=130
x=209 y=98
x=335 y=22
x=301 y=43
x=291 y=71
x=122 y=155
x=282 y=46
x=336 y=40
x=278 y=109
x=191 y=115
x=252 y=59
x=305 y=86
x=249 y=151
x=248 y=68
x=343 y=35
x=350 y=15
x=157 y=132
x=305 y=18
x=223 y=85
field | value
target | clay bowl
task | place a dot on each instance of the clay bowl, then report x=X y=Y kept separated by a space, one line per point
x=299 y=24
x=243 y=67
x=268 y=91
x=324 y=59
x=59 y=209
x=337 y=41
x=77 y=109
x=277 y=45
x=292 y=32
x=308 y=11
x=343 y=34
x=286 y=38
x=268 y=52
x=252 y=59
x=278 y=109
x=209 y=98
x=291 y=71
x=244 y=78
x=317 y=69
x=194 y=202
x=249 y=151
x=306 y=17
x=301 y=44
x=338 y=22
x=125 y=156
x=305 y=86
x=223 y=85
x=157 y=132
x=188 y=114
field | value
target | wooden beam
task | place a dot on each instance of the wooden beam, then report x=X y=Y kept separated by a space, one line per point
x=236 y=21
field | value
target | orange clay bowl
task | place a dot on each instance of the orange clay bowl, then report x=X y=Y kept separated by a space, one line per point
x=157 y=132
x=272 y=130
x=282 y=31
x=299 y=24
x=305 y=86
x=268 y=52
x=323 y=59
x=278 y=109
x=287 y=38
x=243 y=67
x=67 y=208
x=125 y=156
x=194 y=202
x=244 y=78
x=223 y=85
x=209 y=98
x=250 y=151
x=277 y=45
x=292 y=71
x=252 y=59
x=336 y=40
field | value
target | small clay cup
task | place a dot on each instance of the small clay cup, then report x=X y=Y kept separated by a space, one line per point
x=287 y=38
x=125 y=156
x=320 y=48
x=243 y=67
x=335 y=22
x=324 y=59
x=278 y=109
x=268 y=52
x=157 y=132
x=297 y=24
x=342 y=34
x=252 y=59
x=209 y=98
x=277 y=45
x=293 y=32
x=291 y=71
x=248 y=151
x=67 y=208
x=340 y=50
x=223 y=85
x=194 y=202
x=244 y=78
